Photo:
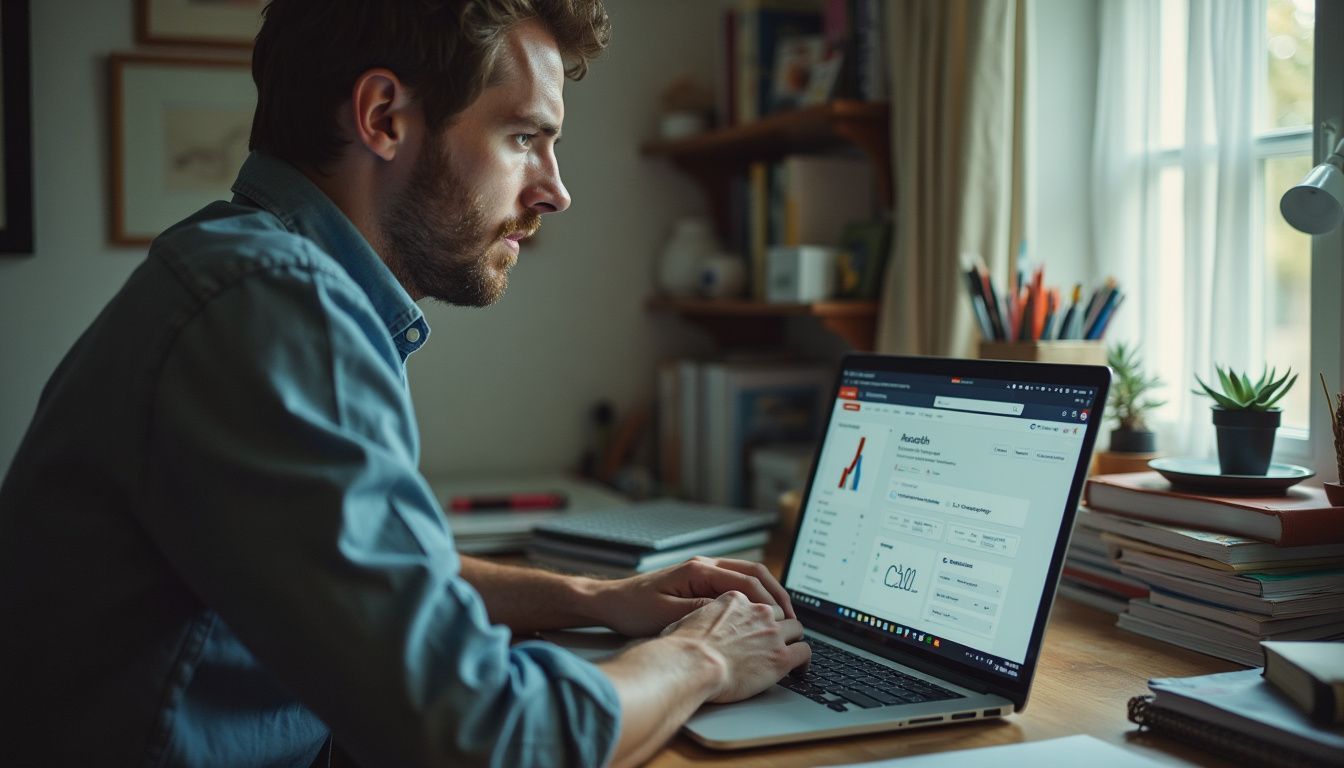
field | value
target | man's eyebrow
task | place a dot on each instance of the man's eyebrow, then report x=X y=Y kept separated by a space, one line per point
x=541 y=125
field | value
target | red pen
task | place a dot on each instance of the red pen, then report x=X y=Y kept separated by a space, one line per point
x=514 y=501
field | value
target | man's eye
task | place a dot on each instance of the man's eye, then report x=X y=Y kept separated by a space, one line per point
x=523 y=139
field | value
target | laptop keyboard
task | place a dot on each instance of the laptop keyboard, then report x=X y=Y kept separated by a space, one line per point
x=837 y=678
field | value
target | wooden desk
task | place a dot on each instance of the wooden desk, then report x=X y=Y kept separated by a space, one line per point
x=1087 y=672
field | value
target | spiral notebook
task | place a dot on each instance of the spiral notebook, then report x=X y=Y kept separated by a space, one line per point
x=1238 y=715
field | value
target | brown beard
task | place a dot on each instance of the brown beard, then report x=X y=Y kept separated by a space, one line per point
x=436 y=241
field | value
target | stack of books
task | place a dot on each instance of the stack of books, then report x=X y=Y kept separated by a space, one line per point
x=1221 y=573
x=643 y=537
x=1090 y=575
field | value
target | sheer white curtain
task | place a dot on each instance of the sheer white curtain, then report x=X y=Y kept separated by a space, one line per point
x=1173 y=175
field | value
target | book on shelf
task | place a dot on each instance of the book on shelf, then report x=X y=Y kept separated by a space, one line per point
x=760 y=27
x=820 y=195
x=688 y=437
x=1237 y=552
x=823 y=200
x=1237 y=715
x=743 y=405
x=1311 y=675
x=1299 y=516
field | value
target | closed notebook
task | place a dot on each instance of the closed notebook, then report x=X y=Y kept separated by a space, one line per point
x=1311 y=674
x=1236 y=711
x=1299 y=516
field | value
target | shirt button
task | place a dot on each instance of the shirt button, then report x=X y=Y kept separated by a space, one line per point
x=413 y=335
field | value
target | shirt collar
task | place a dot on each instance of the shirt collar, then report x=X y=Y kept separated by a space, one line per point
x=280 y=188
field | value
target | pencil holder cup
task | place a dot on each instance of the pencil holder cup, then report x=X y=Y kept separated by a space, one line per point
x=1068 y=351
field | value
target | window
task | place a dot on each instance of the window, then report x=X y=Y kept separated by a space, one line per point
x=1205 y=117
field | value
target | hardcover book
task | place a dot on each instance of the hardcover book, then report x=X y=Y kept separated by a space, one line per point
x=1311 y=674
x=1297 y=517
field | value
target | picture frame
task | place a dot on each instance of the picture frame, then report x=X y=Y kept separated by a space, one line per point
x=864 y=248
x=225 y=23
x=180 y=129
x=16 y=150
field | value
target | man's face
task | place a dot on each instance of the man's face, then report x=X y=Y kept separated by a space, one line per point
x=484 y=182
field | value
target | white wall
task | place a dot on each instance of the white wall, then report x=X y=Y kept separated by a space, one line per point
x=1062 y=72
x=496 y=389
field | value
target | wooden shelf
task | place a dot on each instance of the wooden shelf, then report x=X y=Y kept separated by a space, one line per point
x=738 y=321
x=866 y=125
x=714 y=157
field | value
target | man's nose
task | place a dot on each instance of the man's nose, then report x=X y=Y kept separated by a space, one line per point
x=548 y=194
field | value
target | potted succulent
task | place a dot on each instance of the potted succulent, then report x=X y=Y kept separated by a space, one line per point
x=1335 y=491
x=1245 y=417
x=1130 y=400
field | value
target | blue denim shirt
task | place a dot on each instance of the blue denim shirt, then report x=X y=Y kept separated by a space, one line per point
x=215 y=544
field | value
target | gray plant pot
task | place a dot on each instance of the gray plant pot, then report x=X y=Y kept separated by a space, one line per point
x=1245 y=439
x=1133 y=441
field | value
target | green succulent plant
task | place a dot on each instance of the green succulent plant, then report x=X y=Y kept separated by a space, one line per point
x=1128 y=403
x=1239 y=393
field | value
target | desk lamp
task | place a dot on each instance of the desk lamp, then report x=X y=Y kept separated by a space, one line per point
x=1316 y=204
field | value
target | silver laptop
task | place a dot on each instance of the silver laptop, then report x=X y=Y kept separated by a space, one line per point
x=928 y=547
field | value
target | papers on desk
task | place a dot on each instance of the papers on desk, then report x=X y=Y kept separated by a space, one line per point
x=1070 y=750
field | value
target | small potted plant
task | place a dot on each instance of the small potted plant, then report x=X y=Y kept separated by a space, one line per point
x=1245 y=417
x=1335 y=491
x=1130 y=400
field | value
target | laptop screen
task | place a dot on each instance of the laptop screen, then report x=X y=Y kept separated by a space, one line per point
x=936 y=503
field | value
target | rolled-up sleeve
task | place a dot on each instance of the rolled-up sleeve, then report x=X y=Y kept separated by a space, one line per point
x=283 y=487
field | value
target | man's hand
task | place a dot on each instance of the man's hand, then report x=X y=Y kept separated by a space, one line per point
x=644 y=605
x=729 y=649
x=757 y=646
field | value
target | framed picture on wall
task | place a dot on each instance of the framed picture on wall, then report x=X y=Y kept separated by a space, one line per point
x=232 y=23
x=16 y=148
x=179 y=134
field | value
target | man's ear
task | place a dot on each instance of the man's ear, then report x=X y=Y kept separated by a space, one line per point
x=382 y=110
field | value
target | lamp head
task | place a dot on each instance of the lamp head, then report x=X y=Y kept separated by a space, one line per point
x=1316 y=204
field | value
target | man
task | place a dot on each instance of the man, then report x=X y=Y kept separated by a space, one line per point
x=215 y=547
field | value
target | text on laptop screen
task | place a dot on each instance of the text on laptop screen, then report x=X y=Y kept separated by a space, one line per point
x=935 y=509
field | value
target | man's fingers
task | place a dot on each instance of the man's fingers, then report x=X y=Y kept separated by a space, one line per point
x=792 y=629
x=726 y=580
x=767 y=580
x=798 y=654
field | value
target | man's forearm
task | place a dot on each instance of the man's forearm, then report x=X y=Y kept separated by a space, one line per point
x=660 y=683
x=529 y=599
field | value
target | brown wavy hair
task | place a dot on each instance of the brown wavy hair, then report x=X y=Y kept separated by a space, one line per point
x=309 y=54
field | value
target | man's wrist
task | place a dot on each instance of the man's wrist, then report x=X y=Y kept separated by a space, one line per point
x=590 y=599
x=706 y=669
